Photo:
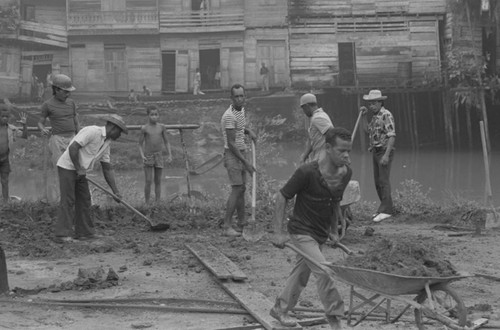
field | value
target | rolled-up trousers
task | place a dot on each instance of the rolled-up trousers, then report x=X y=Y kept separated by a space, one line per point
x=298 y=278
x=381 y=175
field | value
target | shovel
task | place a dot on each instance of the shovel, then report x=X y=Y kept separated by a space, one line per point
x=154 y=226
x=250 y=231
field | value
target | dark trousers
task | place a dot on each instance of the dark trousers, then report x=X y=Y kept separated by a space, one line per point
x=381 y=174
x=74 y=208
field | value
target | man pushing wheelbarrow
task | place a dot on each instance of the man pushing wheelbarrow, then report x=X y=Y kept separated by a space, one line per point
x=318 y=187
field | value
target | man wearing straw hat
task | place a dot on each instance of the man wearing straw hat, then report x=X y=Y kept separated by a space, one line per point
x=92 y=143
x=382 y=134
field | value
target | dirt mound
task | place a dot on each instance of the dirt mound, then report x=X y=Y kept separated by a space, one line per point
x=401 y=257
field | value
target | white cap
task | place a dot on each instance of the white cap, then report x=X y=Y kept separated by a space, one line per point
x=308 y=98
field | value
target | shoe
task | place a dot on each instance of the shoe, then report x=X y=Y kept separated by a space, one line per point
x=283 y=318
x=334 y=322
x=231 y=233
x=381 y=216
x=374 y=215
x=63 y=239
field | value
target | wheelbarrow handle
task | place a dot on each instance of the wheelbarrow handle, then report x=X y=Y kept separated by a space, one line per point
x=343 y=248
x=308 y=258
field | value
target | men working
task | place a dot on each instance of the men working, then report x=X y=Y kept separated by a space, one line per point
x=61 y=111
x=233 y=125
x=318 y=187
x=264 y=77
x=89 y=145
x=382 y=133
x=319 y=123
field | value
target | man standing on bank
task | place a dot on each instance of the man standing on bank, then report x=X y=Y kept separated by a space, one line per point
x=382 y=133
x=91 y=144
x=61 y=111
x=234 y=128
x=320 y=122
x=318 y=187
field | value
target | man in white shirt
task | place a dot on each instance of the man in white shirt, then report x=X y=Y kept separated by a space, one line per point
x=89 y=145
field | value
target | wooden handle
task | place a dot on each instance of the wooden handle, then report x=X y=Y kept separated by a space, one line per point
x=307 y=257
x=254 y=182
x=344 y=248
x=354 y=131
x=130 y=207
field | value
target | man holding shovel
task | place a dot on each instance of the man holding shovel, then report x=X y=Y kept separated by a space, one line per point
x=234 y=128
x=318 y=187
x=92 y=143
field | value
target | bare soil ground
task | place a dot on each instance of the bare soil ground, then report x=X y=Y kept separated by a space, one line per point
x=157 y=265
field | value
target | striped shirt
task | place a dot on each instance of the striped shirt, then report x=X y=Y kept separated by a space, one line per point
x=234 y=119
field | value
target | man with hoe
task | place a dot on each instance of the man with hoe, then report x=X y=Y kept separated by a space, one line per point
x=234 y=128
x=318 y=187
x=382 y=133
x=92 y=143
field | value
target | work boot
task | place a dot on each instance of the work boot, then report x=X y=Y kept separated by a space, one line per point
x=283 y=318
x=334 y=322
x=231 y=232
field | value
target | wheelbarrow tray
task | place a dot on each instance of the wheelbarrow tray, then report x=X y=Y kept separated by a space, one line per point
x=386 y=283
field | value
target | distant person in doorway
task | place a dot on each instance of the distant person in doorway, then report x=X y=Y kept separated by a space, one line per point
x=382 y=133
x=146 y=91
x=320 y=122
x=153 y=137
x=217 y=77
x=234 y=127
x=264 y=77
x=8 y=134
x=60 y=109
x=197 y=83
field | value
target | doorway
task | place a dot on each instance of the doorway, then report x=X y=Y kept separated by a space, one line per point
x=209 y=66
x=274 y=55
x=168 y=71
x=347 y=64
x=115 y=64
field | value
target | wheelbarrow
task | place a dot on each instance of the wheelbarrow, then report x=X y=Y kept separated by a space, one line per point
x=434 y=299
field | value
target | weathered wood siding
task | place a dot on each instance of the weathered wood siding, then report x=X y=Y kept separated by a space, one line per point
x=395 y=42
x=10 y=57
x=266 y=13
x=49 y=11
x=142 y=61
x=185 y=5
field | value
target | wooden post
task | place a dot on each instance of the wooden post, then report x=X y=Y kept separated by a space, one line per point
x=469 y=125
x=487 y=190
x=4 y=282
x=414 y=117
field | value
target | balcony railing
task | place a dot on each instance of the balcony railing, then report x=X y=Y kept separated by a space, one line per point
x=202 y=21
x=117 y=21
x=39 y=33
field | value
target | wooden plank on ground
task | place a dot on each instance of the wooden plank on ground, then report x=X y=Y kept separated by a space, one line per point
x=255 y=303
x=216 y=262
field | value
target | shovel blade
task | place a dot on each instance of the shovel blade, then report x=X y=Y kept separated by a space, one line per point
x=251 y=233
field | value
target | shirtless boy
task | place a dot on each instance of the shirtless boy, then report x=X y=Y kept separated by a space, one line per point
x=153 y=136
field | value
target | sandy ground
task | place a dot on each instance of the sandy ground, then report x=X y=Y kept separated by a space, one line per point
x=159 y=266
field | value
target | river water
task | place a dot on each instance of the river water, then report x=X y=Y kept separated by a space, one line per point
x=442 y=174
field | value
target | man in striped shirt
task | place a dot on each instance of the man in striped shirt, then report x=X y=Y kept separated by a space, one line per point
x=233 y=125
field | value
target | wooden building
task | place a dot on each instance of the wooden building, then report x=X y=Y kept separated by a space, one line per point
x=33 y=44
x=365 y=42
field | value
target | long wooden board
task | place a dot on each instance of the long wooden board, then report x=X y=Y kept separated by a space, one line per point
x=216 y=262
x=255 y=303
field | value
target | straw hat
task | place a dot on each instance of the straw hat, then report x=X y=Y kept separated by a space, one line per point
x=118 y=121
x=374 y=95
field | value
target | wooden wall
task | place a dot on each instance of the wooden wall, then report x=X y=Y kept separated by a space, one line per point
x=216 y=5
x=10 y=57
x=143 y=62
x=49 y=11
x=266 y=13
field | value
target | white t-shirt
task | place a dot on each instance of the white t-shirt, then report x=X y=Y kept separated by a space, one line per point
x=94 y=147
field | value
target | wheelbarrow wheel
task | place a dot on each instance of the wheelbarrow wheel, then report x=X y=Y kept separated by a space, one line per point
x=446 y=303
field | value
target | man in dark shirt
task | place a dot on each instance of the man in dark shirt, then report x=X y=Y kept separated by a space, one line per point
x=318 y=187
x=264 y=77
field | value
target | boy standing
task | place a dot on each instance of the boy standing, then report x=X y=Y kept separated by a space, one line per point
x=8 y=134
x=153 y=135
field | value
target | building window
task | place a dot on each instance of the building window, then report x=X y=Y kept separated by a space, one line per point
x=28 y=13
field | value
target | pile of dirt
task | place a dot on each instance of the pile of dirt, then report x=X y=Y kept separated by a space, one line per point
x=401 y=257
